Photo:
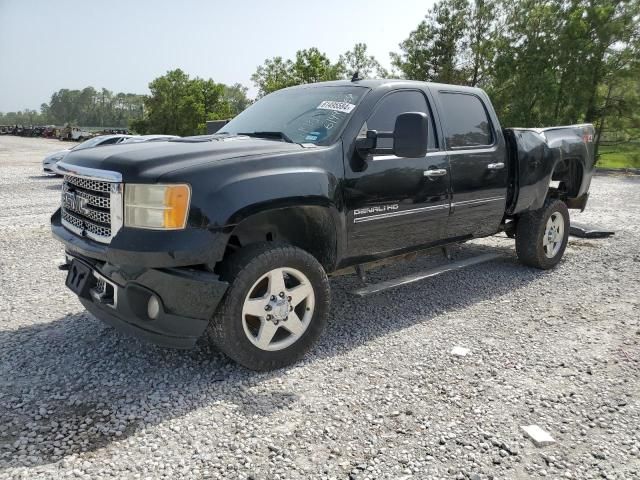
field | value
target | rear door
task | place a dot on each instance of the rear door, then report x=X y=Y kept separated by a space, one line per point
x=395 y=202
x=477 y=158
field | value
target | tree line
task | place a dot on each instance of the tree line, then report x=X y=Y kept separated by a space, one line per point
x=87 y=107
x=542 y=62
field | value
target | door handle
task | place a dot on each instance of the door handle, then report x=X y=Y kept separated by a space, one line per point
x=496 y=166
x=439 y=172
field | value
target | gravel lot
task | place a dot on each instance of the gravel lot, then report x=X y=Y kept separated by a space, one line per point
x=381 y=396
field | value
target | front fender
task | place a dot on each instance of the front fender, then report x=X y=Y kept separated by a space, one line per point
x=248 y=194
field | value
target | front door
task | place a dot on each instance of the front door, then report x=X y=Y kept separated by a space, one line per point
x=396 y=203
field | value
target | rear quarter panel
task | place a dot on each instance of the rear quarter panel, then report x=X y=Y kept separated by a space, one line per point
x=538 y=153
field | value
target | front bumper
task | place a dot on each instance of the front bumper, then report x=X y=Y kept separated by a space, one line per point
x=138 y=265
x=187 y=298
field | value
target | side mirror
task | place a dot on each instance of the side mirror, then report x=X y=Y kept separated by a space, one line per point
x=410 y=135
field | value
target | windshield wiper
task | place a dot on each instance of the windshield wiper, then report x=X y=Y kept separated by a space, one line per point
x=278 y=135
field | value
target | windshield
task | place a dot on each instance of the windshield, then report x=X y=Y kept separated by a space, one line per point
x=303 y=115
x=92 y=142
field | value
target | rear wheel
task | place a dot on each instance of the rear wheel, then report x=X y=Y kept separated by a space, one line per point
x=542 y=236
x=275 y=309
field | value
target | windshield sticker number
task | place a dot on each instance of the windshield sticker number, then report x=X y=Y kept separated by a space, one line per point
x=343 y=107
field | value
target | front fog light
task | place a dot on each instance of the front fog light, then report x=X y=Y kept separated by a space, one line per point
x=153 y=307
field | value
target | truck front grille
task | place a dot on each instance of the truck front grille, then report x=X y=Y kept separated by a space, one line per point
x=91 y=207
x=79 y=224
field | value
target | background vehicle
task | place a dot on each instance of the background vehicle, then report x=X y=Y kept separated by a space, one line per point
x=50 y=162
x=150 y=138
x=75 y=133
x=232 y=235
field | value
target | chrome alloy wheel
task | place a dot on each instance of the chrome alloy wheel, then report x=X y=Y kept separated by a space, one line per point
x=553 y=235
x=278 y=309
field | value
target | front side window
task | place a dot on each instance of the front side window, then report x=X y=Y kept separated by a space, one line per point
x=466 y=123
x=304 y=115
x=384 y=116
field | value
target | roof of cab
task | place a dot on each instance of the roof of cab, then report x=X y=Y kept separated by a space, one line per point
x=389 y=83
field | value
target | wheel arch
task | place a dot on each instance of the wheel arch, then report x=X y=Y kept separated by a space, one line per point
x=569 y=173
x=312 y=226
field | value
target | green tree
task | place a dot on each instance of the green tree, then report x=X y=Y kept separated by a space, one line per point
x=433 y=52
x=236 y=96
x=181 y=105
x=482 y=30
x=172 y=107
x=274 y=74
x=90 y=108
x=313 y=66
x=25 y=117
x=309 y=66
x=525 y=68
x=358 y=60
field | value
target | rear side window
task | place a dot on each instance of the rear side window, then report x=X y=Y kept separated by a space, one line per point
x=465 y=120
x=384 y=116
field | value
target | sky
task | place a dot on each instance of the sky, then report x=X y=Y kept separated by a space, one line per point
x=121 y=45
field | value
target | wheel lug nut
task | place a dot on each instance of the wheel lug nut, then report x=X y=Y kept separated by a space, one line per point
x=267 y=308
x=273 y=297
x=281 y=294
x=290 y=308
x=288 y=299
x=269 y=317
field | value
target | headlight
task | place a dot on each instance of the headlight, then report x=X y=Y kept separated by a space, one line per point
x=159 y=207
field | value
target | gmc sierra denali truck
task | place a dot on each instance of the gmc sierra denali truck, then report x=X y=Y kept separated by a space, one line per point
x=230 y=237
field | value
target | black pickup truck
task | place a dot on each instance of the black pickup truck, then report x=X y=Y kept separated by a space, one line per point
x=230 y=237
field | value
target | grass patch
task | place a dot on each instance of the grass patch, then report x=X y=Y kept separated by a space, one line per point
x=626 y=155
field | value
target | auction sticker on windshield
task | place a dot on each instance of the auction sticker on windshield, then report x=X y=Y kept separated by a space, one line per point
x=344 y=107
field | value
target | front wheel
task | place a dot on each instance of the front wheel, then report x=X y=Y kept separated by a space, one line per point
x=275 y=309
x=542 y=236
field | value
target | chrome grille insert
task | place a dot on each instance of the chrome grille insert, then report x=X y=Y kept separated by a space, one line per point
x=96 y=201
x=91 y=204
x=93 y=185
x=82 y=227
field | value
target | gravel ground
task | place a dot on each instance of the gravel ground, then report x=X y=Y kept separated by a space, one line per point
x=380 y=397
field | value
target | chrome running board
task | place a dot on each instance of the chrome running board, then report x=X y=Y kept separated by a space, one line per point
x=431 y=272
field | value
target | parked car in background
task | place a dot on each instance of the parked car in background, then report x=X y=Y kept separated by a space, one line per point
x=50 y=162
x=75 y=133
x=150 y=138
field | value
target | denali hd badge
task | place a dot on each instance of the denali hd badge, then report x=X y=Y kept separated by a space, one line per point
x=376 y=209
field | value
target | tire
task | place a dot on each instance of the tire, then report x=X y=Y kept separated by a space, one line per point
x=250 y=272
x=535 y=245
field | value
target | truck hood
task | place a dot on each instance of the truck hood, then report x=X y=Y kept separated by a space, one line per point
x=146 y=162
